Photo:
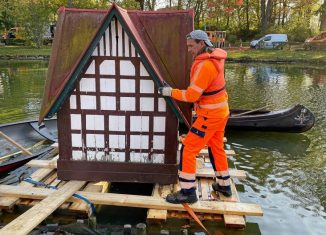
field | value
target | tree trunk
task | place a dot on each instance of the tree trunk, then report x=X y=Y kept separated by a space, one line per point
x=284 y=9
x=263 y=18
x=323 y=17
x=247 y=16
x=269 y=12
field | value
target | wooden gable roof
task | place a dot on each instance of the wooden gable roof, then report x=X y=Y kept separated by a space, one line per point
x=159 y=37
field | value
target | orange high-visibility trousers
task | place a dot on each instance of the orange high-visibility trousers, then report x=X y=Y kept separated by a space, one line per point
x=204 y=131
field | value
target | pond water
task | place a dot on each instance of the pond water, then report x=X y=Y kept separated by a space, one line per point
x=286 y=172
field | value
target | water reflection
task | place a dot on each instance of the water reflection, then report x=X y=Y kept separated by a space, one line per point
x=21 y=85
x=286 y=172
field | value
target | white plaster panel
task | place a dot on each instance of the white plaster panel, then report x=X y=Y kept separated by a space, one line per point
x=96 y=156
x=146 y=104
x=76 y=140
x=78 y=155
x=108 y=103
x=146 y=86
x=75 y=120
x=143 y=71
x=73 y=102
x=91 y=67
x=127 y=52
x=119 y=39
x=139 y=123
x=116 y=157
x=159 y=124
x=94 y=122
x=133 y=51
x=87 y=102
x=87 y=85
x=95 y=52
x=117 y=123
x=139 y=157
x=113 y=38
x=117 y=141
x=161 y=105
x=139 y=141
x=107 y=85
x=159 y=142
x=158 y=158
x=95 y=140
x=107 y=42
x=127 y=85
x=127 y=103
x=107 y=67
x=127 y=68
x=101 y=45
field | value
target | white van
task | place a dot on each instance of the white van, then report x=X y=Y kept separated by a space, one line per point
x=270 y=41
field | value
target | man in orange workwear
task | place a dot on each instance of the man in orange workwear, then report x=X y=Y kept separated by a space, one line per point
x=207 y=92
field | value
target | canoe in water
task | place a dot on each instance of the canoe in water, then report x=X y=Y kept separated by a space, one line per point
x=36 y=140
x=296 y=119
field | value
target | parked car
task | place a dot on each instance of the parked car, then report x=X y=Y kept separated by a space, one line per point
x=270 y=41
x=318 y=42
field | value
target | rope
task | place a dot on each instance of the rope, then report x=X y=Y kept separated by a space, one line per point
x=41 y=184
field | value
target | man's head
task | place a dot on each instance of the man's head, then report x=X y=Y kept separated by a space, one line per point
x=196 y=40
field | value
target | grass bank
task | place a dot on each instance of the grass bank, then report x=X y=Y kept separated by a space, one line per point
x=24 y=51
x=234 y=54
x=274 y=56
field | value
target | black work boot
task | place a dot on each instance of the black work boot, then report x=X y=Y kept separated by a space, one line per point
x=225 y=190
x=182 y=197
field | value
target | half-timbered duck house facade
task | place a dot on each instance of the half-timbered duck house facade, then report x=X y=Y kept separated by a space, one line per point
x=112 y=123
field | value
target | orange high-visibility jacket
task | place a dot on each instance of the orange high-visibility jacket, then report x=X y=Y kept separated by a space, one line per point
x=207 y=85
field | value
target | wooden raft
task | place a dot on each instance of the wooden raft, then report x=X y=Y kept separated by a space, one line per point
x=209 y=207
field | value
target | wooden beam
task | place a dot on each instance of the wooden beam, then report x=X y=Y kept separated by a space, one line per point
x=209 y=173
x=204 y=152
x=113 y=199
x=153 y=215
x=49 y=164
x=233 y=221
x=26 y=222
x=8 y=202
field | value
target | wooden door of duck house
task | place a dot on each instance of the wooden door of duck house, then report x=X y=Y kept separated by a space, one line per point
x=112 y=123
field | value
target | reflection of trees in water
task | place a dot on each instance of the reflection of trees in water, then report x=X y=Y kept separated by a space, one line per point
x=22 y=85
x=280 y=86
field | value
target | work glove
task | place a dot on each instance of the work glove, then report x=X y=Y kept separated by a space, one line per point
x=165 y=90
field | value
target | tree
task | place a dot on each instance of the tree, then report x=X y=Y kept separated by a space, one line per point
x=323 y=16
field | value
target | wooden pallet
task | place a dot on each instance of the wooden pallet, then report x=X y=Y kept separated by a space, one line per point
x=44 y=201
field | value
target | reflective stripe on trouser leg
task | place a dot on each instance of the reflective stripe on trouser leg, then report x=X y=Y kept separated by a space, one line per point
x=187 y=180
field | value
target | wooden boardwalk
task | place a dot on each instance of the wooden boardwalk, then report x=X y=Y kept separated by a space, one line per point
x=43 y=201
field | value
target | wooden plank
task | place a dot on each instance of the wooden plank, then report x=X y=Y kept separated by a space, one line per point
x=34 y=216
x=153 y=215
x=233 y=221
x=9 y=202
x=49 y=164
x=212 y=207
x=82 y=206
x=209 y=173
x=229 y=152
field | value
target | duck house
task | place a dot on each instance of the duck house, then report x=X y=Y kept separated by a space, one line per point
x=104 y=71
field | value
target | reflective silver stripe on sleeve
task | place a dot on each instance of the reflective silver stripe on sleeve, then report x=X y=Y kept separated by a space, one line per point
x=213 y=106
x=196 y=88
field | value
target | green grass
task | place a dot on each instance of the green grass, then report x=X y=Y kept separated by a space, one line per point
x=23 y=50
x=285 y=55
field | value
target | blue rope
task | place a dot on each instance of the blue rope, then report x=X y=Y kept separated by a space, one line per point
x=37 y=183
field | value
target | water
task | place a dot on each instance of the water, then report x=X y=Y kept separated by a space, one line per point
x=286 y=172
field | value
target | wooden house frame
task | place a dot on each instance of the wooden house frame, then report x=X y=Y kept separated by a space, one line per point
x=112 y=123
